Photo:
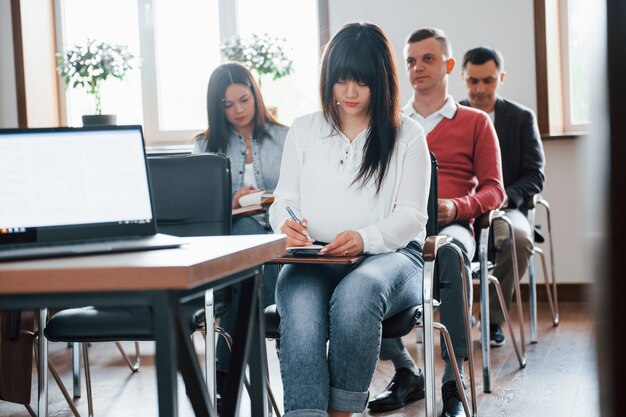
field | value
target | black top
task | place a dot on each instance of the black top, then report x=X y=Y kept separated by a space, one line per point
x=521 y=149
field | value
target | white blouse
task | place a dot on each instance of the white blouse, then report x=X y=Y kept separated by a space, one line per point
x=316 y=180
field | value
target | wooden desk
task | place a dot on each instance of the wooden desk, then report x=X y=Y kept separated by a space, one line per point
x=160 y=279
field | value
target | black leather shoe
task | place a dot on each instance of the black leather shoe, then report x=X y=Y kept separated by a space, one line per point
x=219 y=382
x=496 y=337
x=452 y=405
x=405 y=387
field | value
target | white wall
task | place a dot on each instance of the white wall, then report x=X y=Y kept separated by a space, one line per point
x=8 y=99
x=507 y=26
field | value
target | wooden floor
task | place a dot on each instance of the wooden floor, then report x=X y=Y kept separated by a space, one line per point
x=560 y=378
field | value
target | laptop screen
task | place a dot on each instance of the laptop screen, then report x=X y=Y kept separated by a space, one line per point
x=61 y=184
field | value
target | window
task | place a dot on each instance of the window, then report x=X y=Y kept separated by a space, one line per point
x=576 y=37
x=116 y=23
x=179 y=43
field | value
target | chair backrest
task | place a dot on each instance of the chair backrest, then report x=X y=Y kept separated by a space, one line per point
x=432 y=226
x=192 y=194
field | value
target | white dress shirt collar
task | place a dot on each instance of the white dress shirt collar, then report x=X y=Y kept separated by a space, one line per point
x=428 y=123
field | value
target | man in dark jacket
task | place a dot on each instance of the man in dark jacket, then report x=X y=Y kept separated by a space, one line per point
x=522 y=168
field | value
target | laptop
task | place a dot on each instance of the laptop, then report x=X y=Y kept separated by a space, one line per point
x=72 y=191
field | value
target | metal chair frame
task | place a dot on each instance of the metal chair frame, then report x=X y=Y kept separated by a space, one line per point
x=482 y=268
x=550 y=279
x=431 y=248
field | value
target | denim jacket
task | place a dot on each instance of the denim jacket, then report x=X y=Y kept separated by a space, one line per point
x=266 y=156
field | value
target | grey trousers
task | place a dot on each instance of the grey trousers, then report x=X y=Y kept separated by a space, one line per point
x=451 y=294
x=504 y=259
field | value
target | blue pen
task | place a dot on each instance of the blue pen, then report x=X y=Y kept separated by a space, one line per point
x=293 y=216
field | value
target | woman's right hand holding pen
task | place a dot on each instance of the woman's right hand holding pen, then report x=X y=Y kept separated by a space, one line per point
x=297 y=233
x=296 y=230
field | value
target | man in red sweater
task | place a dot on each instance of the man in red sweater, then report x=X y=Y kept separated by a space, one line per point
x=465 y=144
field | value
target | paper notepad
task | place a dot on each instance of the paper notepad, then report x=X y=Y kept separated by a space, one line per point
x=311 y=250
x=260 y=197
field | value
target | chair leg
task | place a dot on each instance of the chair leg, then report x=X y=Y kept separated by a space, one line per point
x=76 y=369
x=270 y=393
x=209 y=347
x=484 y=309
x=30 y=410
x=552 y=301
x=134 y=366
x=532 y=303
x=430 y=402
x=57 y=379
x=457 y=376
x=88 y=380
x=521 y=354
x=518 y=292
x=66 y=395
x=555 y=307
x=468 y=333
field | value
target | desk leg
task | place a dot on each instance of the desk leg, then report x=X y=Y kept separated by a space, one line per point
x=257 y=358
x=165 y=336
x=245 y=327
x=190 y=370
x=42 y=394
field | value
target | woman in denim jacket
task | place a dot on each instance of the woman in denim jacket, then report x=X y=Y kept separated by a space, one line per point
x=241 y=128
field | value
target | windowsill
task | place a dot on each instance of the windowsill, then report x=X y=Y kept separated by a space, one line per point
x=563 y=135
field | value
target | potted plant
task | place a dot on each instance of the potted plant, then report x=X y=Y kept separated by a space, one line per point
x=262 y=54
x=88 y=65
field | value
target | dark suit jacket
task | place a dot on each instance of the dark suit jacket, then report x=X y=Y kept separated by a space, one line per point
x=521 y=149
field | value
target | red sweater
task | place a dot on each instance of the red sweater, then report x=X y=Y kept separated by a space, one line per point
x=470 y=169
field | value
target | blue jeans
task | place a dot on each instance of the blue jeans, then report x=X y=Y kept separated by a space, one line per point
x=244 y=226
x=344 y=306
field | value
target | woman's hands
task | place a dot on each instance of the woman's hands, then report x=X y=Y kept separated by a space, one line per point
x=346 y=243
x=241 y=192
x=297 y=234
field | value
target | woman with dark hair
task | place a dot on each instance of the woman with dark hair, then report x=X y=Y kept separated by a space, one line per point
x=357 y=176
x=241 y=128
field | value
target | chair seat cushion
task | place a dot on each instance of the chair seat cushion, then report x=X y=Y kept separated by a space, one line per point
x=272 y=322
x=91 y=324
x=94 y=324
x=402 y=323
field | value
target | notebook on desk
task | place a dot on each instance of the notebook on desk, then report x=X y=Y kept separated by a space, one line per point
x=71 y=191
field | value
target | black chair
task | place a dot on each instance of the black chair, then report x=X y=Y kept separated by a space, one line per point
x=192 y=197
x=404 y=322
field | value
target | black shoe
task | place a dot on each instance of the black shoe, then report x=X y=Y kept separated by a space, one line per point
x=452 y=405
x=220 y=377
x=404 y=388
x=496 y=337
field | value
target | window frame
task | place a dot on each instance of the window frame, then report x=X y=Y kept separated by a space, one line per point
x=553 y=110
x=568 y=124
x=149 y=94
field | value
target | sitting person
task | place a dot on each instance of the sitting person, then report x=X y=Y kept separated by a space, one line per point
x=357 y=175
x=469 y=184
x=522 y=166
x=241 y=128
